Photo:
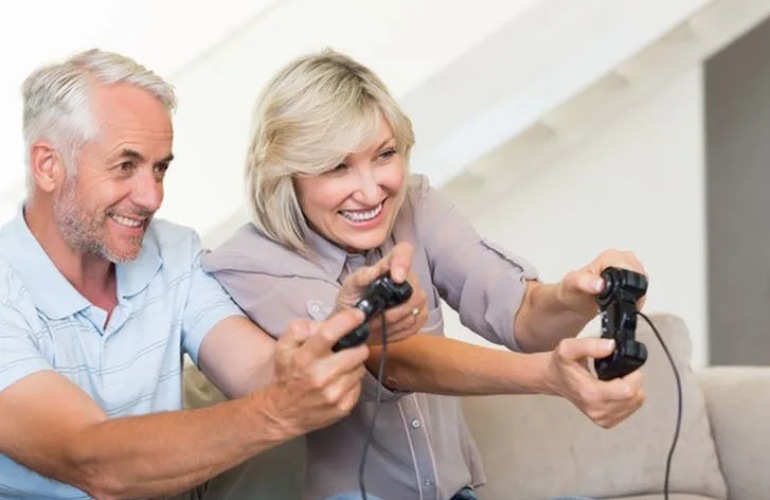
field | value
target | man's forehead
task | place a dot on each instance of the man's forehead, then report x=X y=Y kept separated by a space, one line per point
x=131 y=122
x=124 y=105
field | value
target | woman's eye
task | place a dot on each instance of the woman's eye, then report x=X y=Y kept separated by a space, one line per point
x=385 y=155
x=340 y=168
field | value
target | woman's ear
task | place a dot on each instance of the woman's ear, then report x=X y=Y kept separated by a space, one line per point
x=46 y=165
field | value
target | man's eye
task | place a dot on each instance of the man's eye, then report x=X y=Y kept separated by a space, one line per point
x=161 y=168
x=126 y=166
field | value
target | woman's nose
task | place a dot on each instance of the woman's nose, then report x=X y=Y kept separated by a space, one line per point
x=369 y=186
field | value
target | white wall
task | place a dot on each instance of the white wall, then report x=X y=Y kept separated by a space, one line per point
x=466 y=69
x=636 y=183
x=149 y=31
x=204 y=188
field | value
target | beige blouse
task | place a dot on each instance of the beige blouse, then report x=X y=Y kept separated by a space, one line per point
x=421 y=448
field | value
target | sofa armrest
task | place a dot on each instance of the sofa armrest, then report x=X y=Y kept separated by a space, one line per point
x=738 y=404
x=198 y=392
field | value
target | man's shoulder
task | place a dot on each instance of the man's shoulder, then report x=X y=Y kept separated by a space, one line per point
x=172 y=242
x=8 y=279
x=14 y=297
x=166 y=233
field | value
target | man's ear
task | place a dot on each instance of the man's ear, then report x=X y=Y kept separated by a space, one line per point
x=46 y=165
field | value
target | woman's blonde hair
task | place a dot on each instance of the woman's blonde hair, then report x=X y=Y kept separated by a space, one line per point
x=312 y=114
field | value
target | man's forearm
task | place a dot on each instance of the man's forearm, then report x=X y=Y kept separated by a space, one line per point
x=543 y=319
x=169 y=452
x=427 y=363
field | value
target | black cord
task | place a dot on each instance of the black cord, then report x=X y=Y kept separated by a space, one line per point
x=378 y=400
x=679 y=404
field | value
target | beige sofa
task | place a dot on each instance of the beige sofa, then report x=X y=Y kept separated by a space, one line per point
x=541 y=447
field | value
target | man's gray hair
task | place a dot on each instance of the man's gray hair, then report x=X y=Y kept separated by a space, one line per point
x=57 y=99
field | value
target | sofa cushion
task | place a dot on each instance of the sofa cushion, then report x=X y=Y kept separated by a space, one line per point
x=276 y=473
x=738 y=401
x=542 y=446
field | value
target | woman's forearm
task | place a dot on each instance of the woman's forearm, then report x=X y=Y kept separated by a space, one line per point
x=543 y=319
x=428 y=363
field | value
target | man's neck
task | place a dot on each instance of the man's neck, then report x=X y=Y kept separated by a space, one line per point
x=91 y=275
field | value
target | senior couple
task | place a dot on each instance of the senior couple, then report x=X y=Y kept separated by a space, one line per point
x=99 y=301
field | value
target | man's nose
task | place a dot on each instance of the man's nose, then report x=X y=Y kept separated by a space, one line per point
x=148 y=191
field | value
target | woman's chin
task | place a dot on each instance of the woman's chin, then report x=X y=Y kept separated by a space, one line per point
x=364 y=242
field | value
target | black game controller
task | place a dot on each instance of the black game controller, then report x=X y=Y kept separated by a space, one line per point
x=381 y=294
x=617 y=305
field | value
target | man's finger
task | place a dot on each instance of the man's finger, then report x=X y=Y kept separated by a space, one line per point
x=343 y=368
x=333 y=329
x=297 y=333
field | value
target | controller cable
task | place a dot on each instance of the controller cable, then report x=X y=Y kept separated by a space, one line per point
x=378 y=400
x=679 y=403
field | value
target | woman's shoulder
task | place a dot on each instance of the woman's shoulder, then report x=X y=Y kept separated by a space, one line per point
x=418 y=197
x=250 y=250
x=418 y=186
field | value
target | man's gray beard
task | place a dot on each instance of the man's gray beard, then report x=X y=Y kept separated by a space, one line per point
x=80 y=229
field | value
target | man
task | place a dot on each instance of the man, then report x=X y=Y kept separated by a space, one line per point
x=98 y=303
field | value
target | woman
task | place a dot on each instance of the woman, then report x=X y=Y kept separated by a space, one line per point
x=330 y=191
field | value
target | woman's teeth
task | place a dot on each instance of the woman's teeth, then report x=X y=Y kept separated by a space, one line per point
x=362 y=216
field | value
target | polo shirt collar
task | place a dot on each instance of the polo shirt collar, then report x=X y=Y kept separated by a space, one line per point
x=53 y=295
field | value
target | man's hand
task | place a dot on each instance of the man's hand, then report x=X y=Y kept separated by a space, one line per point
x=313 y=387
x=401 y=321
x=578 y=289
x=607 y=403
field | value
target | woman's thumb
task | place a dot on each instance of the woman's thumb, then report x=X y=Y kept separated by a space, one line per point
x=577 y=349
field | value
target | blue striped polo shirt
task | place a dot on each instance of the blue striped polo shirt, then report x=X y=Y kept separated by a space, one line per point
x=133 y=366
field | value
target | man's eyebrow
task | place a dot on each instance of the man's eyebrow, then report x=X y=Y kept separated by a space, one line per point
x=137 y=156
x=131 y=154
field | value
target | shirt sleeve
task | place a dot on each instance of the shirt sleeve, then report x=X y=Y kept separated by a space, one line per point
x=484 y=283
x=207 y=304
x=20 y=354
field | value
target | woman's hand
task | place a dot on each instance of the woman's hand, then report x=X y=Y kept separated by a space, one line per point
x=607 y=403
x=578 y=289
x=401 y=321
